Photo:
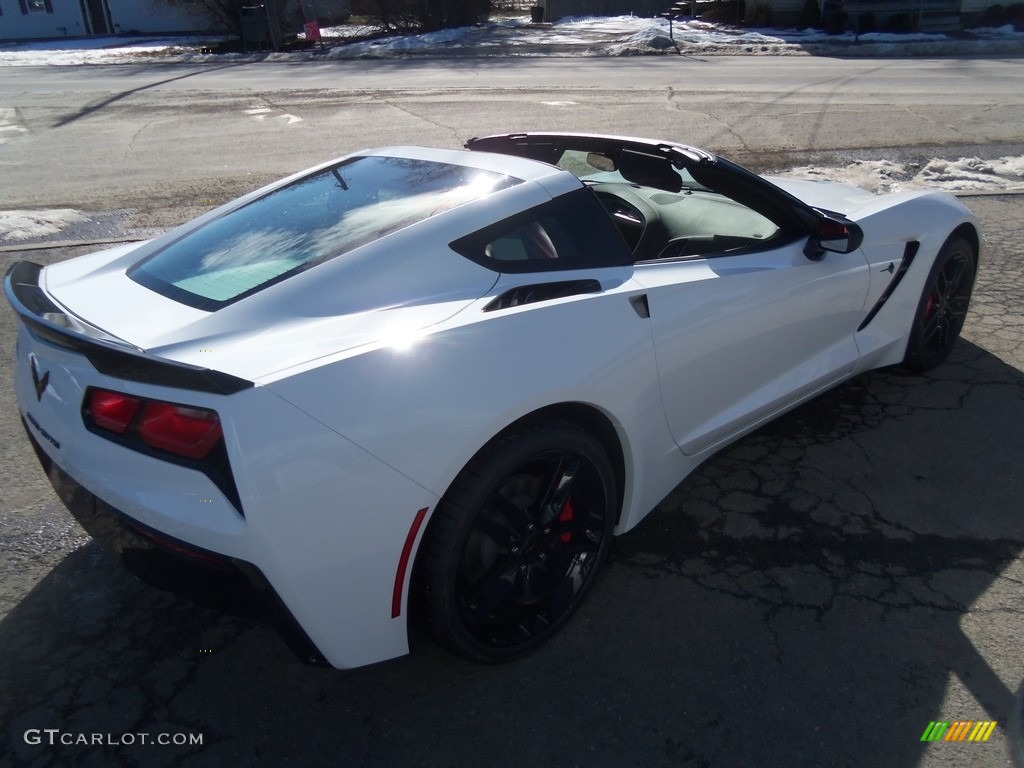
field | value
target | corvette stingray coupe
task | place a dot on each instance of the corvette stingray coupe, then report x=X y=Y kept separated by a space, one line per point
x=439 y=381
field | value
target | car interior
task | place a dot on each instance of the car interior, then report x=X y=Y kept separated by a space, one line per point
x=664 y=208
x=663 y=213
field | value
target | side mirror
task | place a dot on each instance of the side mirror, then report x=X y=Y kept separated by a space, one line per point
x=833 y=234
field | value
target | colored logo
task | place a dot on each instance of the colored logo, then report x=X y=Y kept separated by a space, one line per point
x=959 y=730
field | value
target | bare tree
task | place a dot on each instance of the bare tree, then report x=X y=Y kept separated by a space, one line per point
x=423 y=15
x=227 y=14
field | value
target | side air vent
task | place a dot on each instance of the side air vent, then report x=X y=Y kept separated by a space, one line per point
x=909 y=252
x=531 y=294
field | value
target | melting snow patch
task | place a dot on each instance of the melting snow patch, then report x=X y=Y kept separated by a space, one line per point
x=972 y=174
x=968 y=174
x=29 y=225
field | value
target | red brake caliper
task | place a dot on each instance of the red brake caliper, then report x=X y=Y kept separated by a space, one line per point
x=565 y=517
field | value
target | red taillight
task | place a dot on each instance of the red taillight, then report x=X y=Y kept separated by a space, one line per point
x=112 y=410
x=179 y=429
x=190 y=432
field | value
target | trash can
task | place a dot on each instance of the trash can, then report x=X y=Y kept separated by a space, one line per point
x=536 y=13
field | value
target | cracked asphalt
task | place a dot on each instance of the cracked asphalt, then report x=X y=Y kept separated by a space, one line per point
x=814 y=595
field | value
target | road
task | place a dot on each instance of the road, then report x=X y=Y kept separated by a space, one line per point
x=813 y=596
x=161 y=137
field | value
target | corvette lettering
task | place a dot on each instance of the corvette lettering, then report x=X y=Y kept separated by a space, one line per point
x=46 y=435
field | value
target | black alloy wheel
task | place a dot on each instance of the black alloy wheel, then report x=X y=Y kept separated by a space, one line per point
x=517 y=541
x=943 y=306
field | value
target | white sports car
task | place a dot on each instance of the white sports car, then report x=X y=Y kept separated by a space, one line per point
x=440 y=380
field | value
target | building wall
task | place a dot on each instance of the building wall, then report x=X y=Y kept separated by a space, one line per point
x=785 y=9
x=57 y=18
x=64 y=18
x=149 y=16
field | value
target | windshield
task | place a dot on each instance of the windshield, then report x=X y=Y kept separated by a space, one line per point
x=306 y=223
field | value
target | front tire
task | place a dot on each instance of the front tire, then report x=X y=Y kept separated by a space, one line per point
x=517 y=541
x=943 y=306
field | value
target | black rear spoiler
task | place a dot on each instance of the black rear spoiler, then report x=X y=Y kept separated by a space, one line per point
x=108 y=354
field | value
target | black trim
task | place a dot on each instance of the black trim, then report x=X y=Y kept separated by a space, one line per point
x=641 y=306
x=760 y=195
x=145 y=370
x=22 y=283
x=531 y=294
x=779 y=240
x=194 y=300
x=909 y=252
x=108 y=355
x=548 y=147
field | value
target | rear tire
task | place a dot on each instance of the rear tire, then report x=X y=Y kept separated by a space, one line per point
x=517 y=541
x=943 y=306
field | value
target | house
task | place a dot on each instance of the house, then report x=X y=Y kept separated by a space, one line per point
x=36 y=19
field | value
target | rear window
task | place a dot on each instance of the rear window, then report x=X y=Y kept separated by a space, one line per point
x=306 y=223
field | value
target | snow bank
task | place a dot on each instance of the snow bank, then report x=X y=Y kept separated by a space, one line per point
x=31 y=225
x=967 y=174
x=583 y=36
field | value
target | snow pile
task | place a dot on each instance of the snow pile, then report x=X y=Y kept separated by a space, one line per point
x=590 y=36
x=975 y=175
x=875 y=176
x=704 y=38
x=968 y=174
x=99 y=50
x=347 y=31
x=32 y=225
x=651 y=39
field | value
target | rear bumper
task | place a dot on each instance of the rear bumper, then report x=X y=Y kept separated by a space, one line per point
x=326 y=523
x=225 y=583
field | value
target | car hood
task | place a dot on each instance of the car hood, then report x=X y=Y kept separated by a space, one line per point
x=826 y=195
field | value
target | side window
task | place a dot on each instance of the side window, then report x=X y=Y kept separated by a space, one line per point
x=530 y=241
x=571 y=232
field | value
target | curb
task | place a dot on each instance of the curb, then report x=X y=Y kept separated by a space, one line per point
x=48 y=246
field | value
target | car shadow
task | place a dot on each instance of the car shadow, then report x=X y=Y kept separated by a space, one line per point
x=173 y=74
x=815 y=594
